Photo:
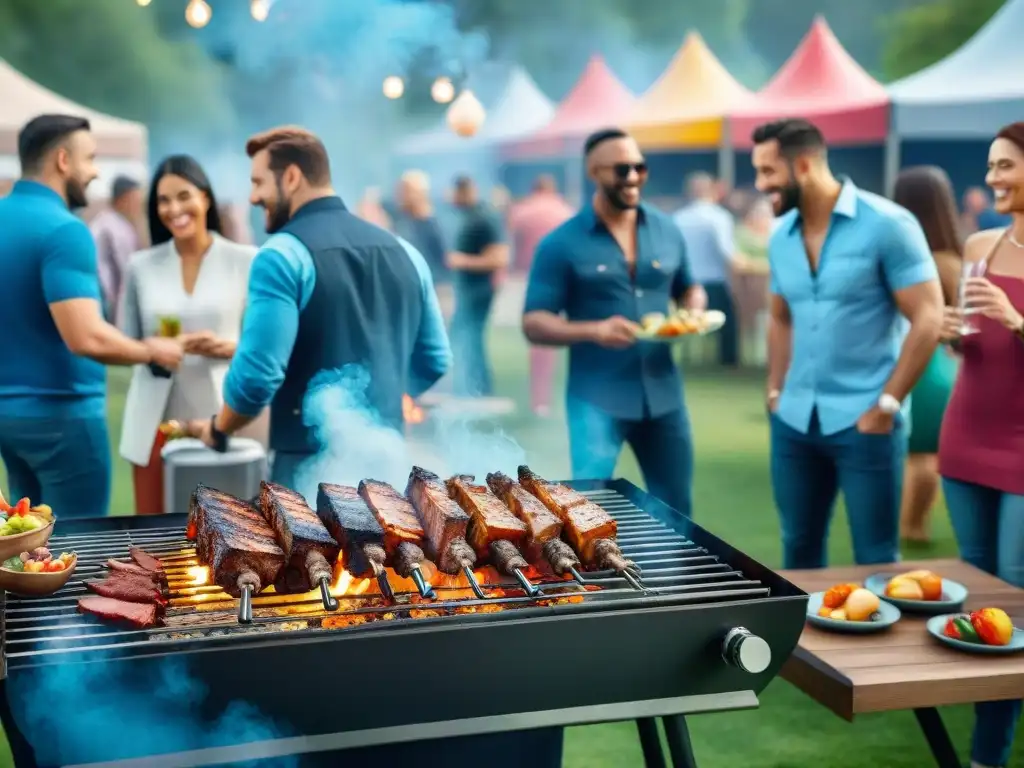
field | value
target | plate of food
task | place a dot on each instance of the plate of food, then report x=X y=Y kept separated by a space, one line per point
x=23 y=527
x=850 y=608
x=988 y=631
x=669 y=329
x=38 y=572
x=919 y=591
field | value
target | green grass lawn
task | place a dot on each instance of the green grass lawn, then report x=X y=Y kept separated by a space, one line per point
x=732 y=497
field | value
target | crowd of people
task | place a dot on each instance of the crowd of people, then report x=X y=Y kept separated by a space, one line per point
x=894 y=345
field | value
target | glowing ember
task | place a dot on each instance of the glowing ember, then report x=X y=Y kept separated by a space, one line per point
x=199 y=575
x=411 y=412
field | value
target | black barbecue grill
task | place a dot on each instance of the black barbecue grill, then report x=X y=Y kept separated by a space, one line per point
x=704 y=629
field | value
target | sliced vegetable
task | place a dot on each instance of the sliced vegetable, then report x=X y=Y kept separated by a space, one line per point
x=966 y=631
x=23 y=506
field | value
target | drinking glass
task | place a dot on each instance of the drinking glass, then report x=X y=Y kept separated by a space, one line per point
x=968 y=270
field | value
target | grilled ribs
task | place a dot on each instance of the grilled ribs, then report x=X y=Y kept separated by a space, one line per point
x=140 y=615
x=489 y=519
x=308 y=547
x=129 y=587
x=584 y=523
x=542 y=525
x=444 y=521
x=350 y=521
x=403 y=532
x=236 y=542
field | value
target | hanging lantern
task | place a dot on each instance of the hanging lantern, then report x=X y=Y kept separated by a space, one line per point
x=259 y=9
x=393 y=87
x=442 y=91
x=466 y=115
x=198 y=13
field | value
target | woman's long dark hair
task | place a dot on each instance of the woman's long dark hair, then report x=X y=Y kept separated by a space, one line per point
x=926 y=191
x=191 y=171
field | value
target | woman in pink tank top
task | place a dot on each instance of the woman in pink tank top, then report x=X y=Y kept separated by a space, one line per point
x=981 y=446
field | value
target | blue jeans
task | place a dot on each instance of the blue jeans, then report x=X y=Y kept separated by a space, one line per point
x=663 y=446
x=989 y=528
x=63 y=462
x=808 y=471
x=471 y=369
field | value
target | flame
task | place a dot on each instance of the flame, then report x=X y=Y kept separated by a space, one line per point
x=199 y=575
x=455 y=587
x=411 y=412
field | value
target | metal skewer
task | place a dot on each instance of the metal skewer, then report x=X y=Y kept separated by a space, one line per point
x=330 y=603
x=528 y=587
x=468 y=573
x=245 y=605
x=382 y=581
x=425 y=590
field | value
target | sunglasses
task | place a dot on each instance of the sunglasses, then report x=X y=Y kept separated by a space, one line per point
x=622 y=170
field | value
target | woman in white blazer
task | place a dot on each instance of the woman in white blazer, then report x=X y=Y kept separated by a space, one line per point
x=191 y=283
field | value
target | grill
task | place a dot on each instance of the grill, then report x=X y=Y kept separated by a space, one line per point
x=705 y=629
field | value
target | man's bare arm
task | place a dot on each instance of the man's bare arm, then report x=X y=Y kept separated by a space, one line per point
x=922 y=305
x=81 y=325
x=780 y=342
x=551 y=330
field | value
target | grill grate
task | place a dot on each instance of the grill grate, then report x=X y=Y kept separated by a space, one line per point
x=675 y=571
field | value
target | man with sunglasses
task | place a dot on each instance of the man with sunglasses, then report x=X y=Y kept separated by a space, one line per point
x=591 y=281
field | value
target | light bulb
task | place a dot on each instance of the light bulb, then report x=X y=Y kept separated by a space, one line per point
x=442 y=91
x=394 y=87
x=259 y=9
x=143 y=3
x=466 y=114
x=198 y=13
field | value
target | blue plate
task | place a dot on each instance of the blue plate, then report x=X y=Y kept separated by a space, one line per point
x=937 y=623
x=953 y=596
x=887 y=616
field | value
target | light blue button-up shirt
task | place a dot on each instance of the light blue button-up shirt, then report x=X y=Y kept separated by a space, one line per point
x=847 y=329
x=708 y=230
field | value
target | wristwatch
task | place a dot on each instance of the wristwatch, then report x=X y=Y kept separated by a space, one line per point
x=889 y=405
x=220 y=439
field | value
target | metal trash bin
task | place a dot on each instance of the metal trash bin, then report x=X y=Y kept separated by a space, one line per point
x=187 y=463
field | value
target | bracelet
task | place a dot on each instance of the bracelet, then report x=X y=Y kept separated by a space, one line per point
x=220 y=439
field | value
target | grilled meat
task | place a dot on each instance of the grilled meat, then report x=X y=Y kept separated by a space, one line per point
x=583 y=521
x=123 y=566
x=490 y=520
x=542 y=525
x=235 y=540
x=505 y=557
x=394 y=513
x=308 y=547
x=560 y=556
x=350 y=521
x=443 y=521
x=129 y=587
x=144 y=559
x=140 y=615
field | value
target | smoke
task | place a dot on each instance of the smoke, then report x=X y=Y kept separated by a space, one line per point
x=98 y=712
x=356 y=445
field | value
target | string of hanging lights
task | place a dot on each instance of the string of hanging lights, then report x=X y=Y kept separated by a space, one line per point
x=198 y=12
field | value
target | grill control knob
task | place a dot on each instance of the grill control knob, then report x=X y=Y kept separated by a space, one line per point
x=747 y=651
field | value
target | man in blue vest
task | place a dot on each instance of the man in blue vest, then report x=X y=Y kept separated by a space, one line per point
x=327 y=290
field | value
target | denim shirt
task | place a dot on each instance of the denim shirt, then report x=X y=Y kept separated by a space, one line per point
x=847 y=329
x=580 y=271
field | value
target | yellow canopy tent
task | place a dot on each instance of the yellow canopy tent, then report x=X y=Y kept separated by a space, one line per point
x=687 y=105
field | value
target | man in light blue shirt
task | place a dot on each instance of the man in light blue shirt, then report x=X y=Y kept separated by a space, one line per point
x=849 y=269
x=708 y=229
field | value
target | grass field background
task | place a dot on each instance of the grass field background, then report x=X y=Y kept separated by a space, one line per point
x=732 y=497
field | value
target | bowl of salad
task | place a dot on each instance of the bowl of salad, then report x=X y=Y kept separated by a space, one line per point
x=24 y=527
x=38 y=572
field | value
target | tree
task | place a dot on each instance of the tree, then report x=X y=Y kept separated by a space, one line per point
x=919 y=37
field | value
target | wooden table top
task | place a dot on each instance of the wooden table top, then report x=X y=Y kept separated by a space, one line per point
x=903 y=667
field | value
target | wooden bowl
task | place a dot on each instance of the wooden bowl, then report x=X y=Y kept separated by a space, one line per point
x=12 y=546
x=24 y=583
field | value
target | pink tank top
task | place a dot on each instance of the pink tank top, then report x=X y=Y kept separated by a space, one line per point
x=982 y=438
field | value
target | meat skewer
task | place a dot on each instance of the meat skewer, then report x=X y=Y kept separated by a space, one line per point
x=403 y=533
x=543 y=527
x=493 y=530
x=445 y=524
x=588 y=529
x=237 y=543
x=353 y=525
x=308 y=547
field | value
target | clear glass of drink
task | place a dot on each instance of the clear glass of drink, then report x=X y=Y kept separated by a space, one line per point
x=968 y=270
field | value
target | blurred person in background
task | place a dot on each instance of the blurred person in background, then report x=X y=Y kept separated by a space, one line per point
x=116 y=236
x=750 y=285
x=326 y=290
x=415 y=222
x=53 y=415
x=196 y=280
x=978 y=213
x=478 y=255
x=530 y=220
x=981 y=446
x=848 y=270
x=591 y=282
x=370 y=208
x=707 y=228
x=927 y=193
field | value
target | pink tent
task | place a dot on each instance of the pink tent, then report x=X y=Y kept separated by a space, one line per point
x=822 y=83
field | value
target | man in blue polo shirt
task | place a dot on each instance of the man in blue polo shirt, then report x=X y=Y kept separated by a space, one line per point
x=53 y=428
x=849 y=269
x=591 y=282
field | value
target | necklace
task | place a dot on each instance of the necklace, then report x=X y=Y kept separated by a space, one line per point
x=1014 y=241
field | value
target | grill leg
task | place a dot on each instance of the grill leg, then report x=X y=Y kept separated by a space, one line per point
x=679 y=746
x=937 y=736
x=650 y=743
